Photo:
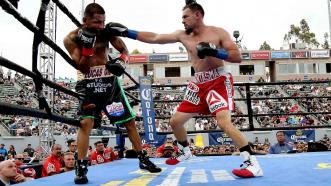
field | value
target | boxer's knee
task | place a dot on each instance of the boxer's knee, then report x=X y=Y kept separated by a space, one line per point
x=130 y=126
x=86 y=124
x=172 y=123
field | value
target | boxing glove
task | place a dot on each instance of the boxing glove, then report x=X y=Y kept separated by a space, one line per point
x=87 y=39
x=117 y=29
x=117 y=66
x=208 y=49
x=187 y=2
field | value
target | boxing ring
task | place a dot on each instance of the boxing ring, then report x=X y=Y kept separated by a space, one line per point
x=285 y=169
x=295 y=169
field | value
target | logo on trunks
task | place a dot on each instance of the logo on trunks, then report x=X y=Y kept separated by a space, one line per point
x=193 y=87
x=191 y=94
x=115 y=109
x=207 y=76
x=228 y=87
x=97 y=72
x=98 y=86
x=215 y=101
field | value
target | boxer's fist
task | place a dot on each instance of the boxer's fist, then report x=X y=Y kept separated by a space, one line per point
x=209 y=49
x=117 y=66
x=117 y=29
x=87 y=39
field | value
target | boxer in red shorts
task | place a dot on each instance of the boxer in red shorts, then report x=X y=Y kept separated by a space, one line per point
x=212 y=91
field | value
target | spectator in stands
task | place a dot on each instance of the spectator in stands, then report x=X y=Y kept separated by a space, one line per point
x=2 y=157
x=192 y=144
x=3 y=151
x=256 y=141
x=281 y=146
x=26 y=156
x=258 y=148
x=52 y=164
x=102 y=154
x=325 y=138
x=167 y=149
x=89 y=151
x=29 y=150
x=1 y=72
x=72 y=145
x=12 y=151
x=27 y=172
x=69 y=162
x=8 y=174
x=9 y=74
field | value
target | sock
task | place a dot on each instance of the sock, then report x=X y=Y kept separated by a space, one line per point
x=246 y=148
x=183 y=143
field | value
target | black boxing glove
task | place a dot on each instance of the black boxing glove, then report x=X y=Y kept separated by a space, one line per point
x=117 y=66
x=208 y=49
x=187 y=2
x=87 y=39
x=117 y=29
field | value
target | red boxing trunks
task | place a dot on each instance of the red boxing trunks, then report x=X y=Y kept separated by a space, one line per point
x=210 y=93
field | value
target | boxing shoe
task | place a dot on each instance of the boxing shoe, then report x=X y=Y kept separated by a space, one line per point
x=185 y=154
x=145 y=163
x=249 y=168
x=81 y=171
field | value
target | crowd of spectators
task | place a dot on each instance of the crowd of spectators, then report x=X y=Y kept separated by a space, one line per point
x=288 y=106
x=20 y=90
x=59 y=160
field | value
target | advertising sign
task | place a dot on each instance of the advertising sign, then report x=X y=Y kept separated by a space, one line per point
x=319 y=54
x=147 y=105
x=245 y=55
x=138 y=58
x=158 y=57
x=219 y=138
x=178 y=57
x=280 y=55
x=260 y=55
x=300 y=135
x=299 y=54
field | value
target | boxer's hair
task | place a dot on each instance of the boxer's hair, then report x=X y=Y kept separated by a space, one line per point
x=92 y=9
x=195 y=7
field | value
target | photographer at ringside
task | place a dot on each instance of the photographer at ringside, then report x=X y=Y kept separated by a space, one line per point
x=167 y=149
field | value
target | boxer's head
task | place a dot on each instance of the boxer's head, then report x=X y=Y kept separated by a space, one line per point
x=94 y=18
x=193 y=14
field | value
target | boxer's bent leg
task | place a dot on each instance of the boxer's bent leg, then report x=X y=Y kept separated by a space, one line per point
x=223 y=118
x=250 y=167
x=177 y=122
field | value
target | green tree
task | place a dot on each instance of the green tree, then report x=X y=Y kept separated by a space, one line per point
x=265 y=46
x=325 y=44
x=301 y=34
x=135 y=51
